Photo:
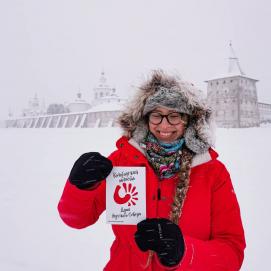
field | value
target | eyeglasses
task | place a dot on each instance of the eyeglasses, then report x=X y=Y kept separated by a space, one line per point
x=173 y=118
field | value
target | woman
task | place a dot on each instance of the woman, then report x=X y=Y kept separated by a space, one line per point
x=193 y=218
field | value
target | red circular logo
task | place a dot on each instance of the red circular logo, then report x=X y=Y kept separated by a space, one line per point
x=130 y=195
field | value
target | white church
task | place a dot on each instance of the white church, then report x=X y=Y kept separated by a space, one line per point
x=102 y=111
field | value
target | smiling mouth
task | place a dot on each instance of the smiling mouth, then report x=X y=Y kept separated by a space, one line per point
x=165 y=134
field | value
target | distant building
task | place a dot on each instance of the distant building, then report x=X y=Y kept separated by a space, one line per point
x=101 y=112
x=233 y=97
x=265 y=112
x=78 y=105
x=34 y=108
x=103 y=93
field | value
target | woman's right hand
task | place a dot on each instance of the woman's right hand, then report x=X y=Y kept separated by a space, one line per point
x=89 y=170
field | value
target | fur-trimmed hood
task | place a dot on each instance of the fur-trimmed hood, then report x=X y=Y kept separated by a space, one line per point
x=187 y=99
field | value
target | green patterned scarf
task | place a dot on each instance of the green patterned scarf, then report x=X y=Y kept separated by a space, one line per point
x=164 y=157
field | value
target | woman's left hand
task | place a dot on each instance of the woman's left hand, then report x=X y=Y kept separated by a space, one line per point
x=162 y=236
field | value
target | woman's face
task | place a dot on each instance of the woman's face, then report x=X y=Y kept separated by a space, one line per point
x=165 y=131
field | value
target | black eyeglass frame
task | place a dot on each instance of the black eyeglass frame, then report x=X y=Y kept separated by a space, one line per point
x=182 y=120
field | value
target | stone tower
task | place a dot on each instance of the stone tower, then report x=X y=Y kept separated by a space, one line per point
x=233 y=97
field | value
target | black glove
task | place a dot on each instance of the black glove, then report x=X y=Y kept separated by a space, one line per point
x=162 y=236
x=90 y=169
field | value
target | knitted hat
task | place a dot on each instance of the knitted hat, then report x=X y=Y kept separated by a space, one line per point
x=171 y=92
x=167 y=97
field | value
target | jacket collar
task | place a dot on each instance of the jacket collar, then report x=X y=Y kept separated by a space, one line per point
x=197 y=160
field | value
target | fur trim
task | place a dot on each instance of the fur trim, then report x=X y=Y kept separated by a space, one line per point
x=198 y=135
x=199 y=159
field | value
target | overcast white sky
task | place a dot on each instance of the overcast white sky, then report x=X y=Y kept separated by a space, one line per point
x=55 y=47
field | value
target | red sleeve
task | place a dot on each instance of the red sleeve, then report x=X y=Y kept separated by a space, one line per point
x=224 y=251
x=81 y=208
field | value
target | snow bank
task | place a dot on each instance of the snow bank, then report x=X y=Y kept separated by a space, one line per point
x=36 y=162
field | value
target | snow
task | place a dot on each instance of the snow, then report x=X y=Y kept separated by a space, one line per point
x=229 y=75
x=36 y=162
x=107 y=106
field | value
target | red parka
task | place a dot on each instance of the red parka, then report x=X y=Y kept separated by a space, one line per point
x=210 y=220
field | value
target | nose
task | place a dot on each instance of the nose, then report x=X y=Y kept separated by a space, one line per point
x=164 y=122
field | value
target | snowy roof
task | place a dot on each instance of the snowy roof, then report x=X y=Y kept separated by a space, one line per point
x=78 y=102
x=234 y=68
x=112 y=106
x=108 y=107
x=234 y=65
x=230 y=75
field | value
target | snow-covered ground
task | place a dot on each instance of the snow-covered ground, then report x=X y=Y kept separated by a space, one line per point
x=35 y=163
